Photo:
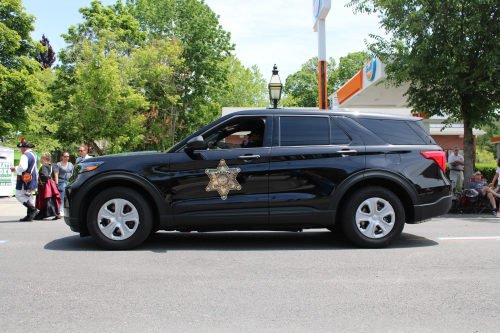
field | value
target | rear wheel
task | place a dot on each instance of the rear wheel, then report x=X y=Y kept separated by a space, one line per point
x=373 y=217
x=119 y=219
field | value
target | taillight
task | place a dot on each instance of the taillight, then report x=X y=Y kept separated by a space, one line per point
x=438 y=156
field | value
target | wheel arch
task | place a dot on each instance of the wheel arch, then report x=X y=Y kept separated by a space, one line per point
x=386 y=179
x=120 y=179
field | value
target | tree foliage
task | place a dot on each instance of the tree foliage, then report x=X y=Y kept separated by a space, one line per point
x=303 y=85
x=483 y=142
x=180 y=92
x=157 y=67
x=206 y=45
x=449 y=53
x=245 y=86
x=19 y=88
x=98 y=102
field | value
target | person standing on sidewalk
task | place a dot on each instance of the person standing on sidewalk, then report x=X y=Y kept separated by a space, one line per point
x=62 y=173
x=28 y=166
x=456 y=164
x=82 y=151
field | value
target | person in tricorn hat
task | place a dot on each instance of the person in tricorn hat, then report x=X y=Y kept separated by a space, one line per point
x=28 y=166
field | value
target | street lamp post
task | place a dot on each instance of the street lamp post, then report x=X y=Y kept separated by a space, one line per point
x=275 y=87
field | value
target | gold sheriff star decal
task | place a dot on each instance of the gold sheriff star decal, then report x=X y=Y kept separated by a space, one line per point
x=223 y=179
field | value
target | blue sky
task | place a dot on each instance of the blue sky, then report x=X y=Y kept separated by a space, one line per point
x=265 y=32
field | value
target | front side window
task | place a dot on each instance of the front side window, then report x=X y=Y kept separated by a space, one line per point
x=239 y=132
x=304 y=131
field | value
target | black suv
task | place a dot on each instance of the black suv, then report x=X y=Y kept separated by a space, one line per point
x=370 y=173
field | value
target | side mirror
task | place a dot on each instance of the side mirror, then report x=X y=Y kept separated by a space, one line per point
x=194 y=144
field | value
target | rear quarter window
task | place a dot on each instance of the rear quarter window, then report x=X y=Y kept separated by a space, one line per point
x=395 y=132
x=420 y=129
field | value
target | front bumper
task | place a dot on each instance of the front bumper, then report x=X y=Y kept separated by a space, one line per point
x=71 y=222
x=426 y=211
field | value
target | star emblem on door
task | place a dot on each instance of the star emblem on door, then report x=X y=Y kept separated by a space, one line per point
x=223 y=179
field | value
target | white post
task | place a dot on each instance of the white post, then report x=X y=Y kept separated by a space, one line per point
x=321 y=41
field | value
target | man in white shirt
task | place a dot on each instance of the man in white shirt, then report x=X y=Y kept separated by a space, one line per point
x=82 y=151
x=456 y=164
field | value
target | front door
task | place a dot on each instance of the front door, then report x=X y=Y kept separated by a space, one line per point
x=221 y=188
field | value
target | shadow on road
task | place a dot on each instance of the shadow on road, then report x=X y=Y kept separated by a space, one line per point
x=162 y=242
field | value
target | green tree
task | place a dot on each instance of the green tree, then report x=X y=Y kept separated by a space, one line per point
x=448 y=52
x=245 y=86
x=149 y=64
x=38 y=128
x=155 y=69
x=98 y=102
x=99 y=21
x=19 y=88
x=302 y=86
x=349 y=66
x=483 y=142
x=205 y=44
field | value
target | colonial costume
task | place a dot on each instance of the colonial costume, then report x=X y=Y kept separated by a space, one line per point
x=27 y=180
x=48 y=199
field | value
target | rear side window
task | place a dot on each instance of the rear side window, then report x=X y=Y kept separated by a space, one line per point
x=395 y=132
x=338 y=136
x=300 y=131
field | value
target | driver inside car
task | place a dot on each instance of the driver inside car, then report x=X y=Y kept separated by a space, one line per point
x=254 y=140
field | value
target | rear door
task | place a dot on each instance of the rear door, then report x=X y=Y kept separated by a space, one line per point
x=310 y=157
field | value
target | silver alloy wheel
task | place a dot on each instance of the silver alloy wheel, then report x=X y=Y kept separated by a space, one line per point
x=375 y=217
x=118 y=219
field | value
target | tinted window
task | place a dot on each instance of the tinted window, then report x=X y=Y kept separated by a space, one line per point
x=395 y=132
x=300 y=131
x=338 y=136
x=420 y=129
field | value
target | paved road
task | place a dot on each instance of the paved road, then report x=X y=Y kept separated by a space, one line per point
x=51 y=280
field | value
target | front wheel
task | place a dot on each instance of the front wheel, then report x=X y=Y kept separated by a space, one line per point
x=373 y=217
x=119 y=219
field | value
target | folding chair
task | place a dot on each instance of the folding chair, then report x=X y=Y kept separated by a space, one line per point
x=456 y=200
x=478 y=201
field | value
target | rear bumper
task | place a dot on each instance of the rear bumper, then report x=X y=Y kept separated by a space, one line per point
x=430 y=210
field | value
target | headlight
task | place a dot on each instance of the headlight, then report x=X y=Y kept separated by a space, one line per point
x=87 y=166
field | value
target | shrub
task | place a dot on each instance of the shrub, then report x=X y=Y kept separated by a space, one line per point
x=485 y=157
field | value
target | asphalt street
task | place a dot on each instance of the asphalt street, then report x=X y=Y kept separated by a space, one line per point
x=51 y=280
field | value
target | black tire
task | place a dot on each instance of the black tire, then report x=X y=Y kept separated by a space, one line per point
x=372 y=232
x=336 y=228
x=141 y=220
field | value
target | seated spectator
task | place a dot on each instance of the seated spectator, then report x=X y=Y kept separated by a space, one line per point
x=484 y=190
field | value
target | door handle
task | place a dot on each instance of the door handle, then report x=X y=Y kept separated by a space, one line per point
x=347 y=152
x=247 y=157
